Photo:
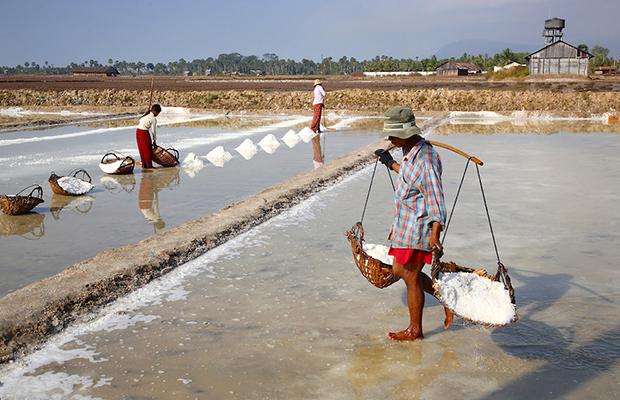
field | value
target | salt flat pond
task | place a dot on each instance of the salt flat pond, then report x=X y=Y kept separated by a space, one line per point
x=282 y=312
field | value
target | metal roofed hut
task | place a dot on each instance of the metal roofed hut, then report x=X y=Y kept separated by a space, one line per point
x=558 y=57
x=95 y=71
x=458 y=68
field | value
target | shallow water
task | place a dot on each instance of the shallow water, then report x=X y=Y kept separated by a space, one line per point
x=282 y=312
x=124 y=209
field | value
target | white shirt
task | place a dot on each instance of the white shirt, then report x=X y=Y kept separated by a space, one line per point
x=147 y=122
x=319 y=95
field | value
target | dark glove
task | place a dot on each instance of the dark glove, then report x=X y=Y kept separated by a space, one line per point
x=385 y=158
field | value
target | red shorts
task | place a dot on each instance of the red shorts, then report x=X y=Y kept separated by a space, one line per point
x=406 y=256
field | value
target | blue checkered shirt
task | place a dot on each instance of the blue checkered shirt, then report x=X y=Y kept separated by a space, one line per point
x=418 y=197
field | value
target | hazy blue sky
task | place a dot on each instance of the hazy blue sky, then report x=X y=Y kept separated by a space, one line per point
x=65 y=31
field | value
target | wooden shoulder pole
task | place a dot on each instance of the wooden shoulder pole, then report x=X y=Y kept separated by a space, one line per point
x=445 y=146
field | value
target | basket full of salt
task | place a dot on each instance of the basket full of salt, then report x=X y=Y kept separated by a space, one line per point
x=165 y=157
x=376 y=271
x=113 y=164
x=474 y=295
x=19 y=204
x=71 y=185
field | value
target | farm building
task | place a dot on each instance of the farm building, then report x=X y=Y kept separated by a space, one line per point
x=95 y=71
x=451 y=68
x=606 y=70
x=559 y=58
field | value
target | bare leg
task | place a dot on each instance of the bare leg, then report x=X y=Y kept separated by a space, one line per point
x=411 y=274
x=417 y=283
x=427 y=284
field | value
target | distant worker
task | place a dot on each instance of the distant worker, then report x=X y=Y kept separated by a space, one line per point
x=145 y=145
x=319 y=97
x=419 y=216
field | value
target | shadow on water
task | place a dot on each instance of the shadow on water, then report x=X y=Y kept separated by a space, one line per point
x=566 y=362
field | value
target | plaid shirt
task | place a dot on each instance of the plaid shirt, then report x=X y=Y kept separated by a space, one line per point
x=418 y=197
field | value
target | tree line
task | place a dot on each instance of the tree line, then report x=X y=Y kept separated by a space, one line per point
x=271 y=64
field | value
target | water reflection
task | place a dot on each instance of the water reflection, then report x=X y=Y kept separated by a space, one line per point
x=29 y=226
x=379 y=365
x=318 y=157
x=79 y=205
x=119 y=183
x=148 y=199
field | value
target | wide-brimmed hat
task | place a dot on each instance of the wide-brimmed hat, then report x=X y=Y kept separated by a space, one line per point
x=399 y=122
x=318 y=82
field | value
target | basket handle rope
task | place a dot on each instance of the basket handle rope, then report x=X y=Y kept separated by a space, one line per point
x=35 y=188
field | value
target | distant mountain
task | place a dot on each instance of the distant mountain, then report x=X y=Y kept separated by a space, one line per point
x=483 y=46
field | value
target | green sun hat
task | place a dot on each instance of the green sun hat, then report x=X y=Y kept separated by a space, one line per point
x=399 y=122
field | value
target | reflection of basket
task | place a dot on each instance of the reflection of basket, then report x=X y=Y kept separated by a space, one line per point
x=125 y=167
x=165 y=157
x=56 y=188
x=79 y=204
x=375 y=271
x=29 y=226
x=16 y=205
x=500 y=276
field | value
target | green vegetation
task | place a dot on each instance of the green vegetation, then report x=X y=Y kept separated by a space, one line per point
x=510 y=73
x=271 y=64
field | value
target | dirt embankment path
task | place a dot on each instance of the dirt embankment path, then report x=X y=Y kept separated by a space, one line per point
x=573 y=96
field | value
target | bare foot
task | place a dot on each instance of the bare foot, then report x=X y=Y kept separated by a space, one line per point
x=449 y=318
x=407 y=334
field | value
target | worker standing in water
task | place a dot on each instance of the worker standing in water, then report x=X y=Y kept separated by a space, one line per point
x=145 y=145
x=319 y=97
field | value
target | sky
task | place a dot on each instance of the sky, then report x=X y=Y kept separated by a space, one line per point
x=65 y=31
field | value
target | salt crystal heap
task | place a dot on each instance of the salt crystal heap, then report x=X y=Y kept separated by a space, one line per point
x=192 y=165
x=476 y=298
x=75 y=186
x=247 y=149
x=291 y=138
x=378 y=252
x=306 y=134
x=269 y=143
x=110 y=168
x=219 y=156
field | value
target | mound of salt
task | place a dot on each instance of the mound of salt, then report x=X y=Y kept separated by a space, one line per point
x=379 y=252
x=291 y=138
x=219 y=156
x=306 y=134
x=476 y=298
x=75 y=185
x=247 y=149
x=269 y=143
x=110 y=168
x=192 y=165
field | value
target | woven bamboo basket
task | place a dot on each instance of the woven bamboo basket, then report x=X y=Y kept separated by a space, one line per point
x=126 y=166
x=451 y=267
x=375 y=271
x=165 y=157
x=56 y=188
x=17 y=204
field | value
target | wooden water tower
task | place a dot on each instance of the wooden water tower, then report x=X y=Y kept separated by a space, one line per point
x=553 y=30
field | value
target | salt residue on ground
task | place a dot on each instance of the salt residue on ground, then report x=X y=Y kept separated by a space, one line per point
x=476 y=298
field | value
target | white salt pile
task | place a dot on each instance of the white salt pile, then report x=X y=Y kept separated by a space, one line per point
x=110 y=168
x=476 y=298
x=192 y=165
x=306 y=134
x=247 y=149
x=379 y=252
x=269 y=143
x=291 y=138
x=219 y=156
x=75 y=185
